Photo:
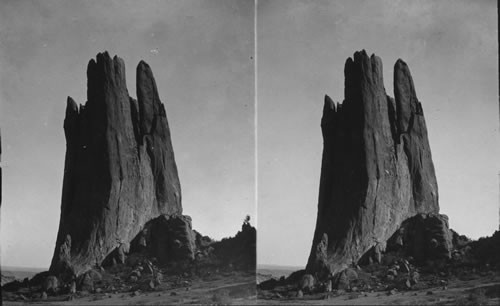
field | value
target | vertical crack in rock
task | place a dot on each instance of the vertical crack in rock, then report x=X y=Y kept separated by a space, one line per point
x=377 y=168
x=120 y=170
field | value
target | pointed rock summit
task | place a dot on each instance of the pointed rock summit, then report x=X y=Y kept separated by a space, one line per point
x=377 y=168
x=120 y=169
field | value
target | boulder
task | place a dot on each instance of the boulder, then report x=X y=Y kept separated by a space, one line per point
x=295 y=277
x=307 y=283
x=135 y=273
x=86 y=283
x=343 y=279
x=51 y=284
x=88 y=279
x=12 y=286
x=269 y=284
x=167 y=238
x=459 y=241
x=423 y=237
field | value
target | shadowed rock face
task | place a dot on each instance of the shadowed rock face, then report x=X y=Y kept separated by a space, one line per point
x=168 y=238
x=423 y=237
x=120 y=170
x=377 y=169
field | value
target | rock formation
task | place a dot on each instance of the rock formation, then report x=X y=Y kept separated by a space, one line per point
x=377 y=169
x=167 y=238
x=240 y=251
x=120 y=170
x=423 y=237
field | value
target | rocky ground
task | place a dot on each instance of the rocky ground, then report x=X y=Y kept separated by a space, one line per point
x=221 y=272
x=479 y=291
x=470 y=277
x=127 y=285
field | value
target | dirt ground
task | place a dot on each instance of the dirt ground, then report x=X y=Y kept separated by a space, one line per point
x=239 y=289
x=480 y=290
x=236 y=288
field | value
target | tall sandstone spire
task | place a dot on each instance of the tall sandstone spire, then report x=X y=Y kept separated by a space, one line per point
x=120 y=170
x=377 y=168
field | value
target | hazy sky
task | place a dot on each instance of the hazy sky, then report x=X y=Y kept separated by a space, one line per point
x=203 y=65
x=452 y=51
x=201 y=53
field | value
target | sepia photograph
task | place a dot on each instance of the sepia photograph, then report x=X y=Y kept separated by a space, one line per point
x=378 y=152
x=128 y=152
x=249 y=152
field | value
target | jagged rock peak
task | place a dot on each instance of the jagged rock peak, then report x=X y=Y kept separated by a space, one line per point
x=147 y=96
x=120 y=169
x=362 y=71
x=329 y=105
x=407 y=104
x=105 y=73
x=71 y=107
x=329 y=111
x=377 y=167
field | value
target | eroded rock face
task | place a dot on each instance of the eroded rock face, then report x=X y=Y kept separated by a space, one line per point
x=377 y=169
x=424 y=237
x=168 y=238
x=120 y=169
x=240 y=251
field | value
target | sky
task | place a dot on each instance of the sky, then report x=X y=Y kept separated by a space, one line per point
x=201 y=54
x=452 y=51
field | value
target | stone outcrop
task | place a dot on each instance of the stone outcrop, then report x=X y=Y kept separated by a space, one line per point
x=240 y=251
x=120 y=170
x=423 y=237
x=168 y=238
x=377 y=168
